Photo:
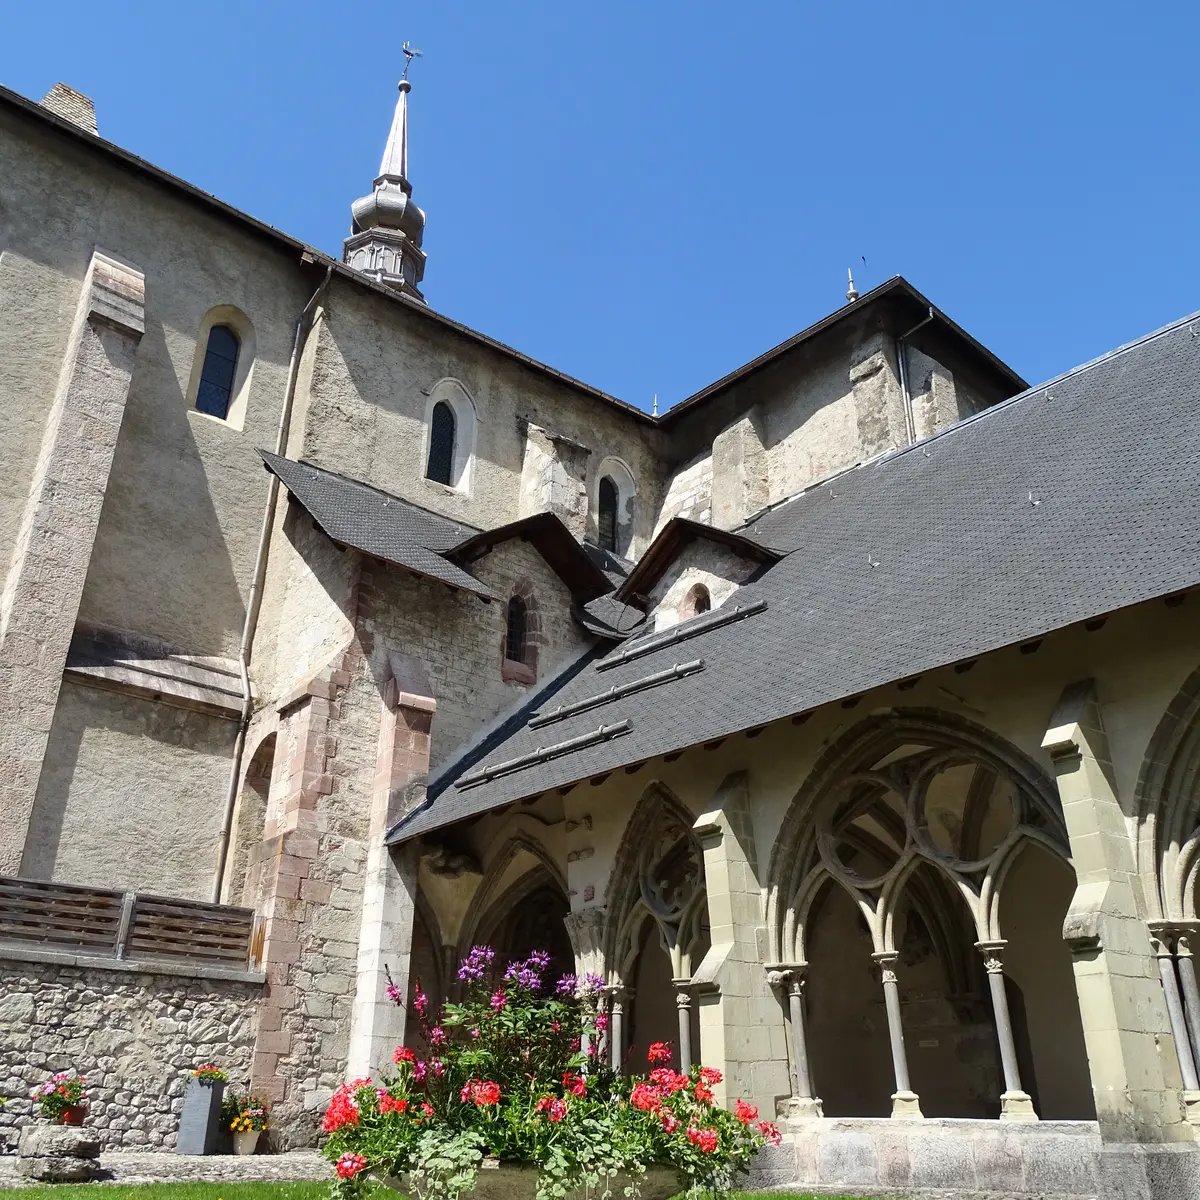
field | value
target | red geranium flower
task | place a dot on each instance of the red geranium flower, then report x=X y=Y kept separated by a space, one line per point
x=710 y=1076
x=349 y=1165
x=705 y=1139
x=770 y=1132
x=745 y=1112
x=659 y=1052
x=403 y=1054
x=389 y=1103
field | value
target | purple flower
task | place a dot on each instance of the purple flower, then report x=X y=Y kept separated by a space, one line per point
x=475 y=965
x=592 y=983
x=566 y=986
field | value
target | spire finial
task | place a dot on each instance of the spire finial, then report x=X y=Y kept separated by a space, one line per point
x=851 y=291
x=655 y=412
x=410 y=52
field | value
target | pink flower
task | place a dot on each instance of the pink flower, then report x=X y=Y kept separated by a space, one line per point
x=710 y=1076
x=437 y=1036
x=659 y=1052
x=554 y=1108
x=475 y=1033
x=770 y=1132
x=420 y=1000
x=602 y=1021
x=745 y=1112
x=419 y=1072
x=350 y=1165
x=499 y=1000
x=393 y=994
x=670 y=1122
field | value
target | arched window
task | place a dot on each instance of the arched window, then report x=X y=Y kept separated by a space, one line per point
x=441 y=444
x=215 y=392
x=698 y=601
x=517 y=631
x=606 y=515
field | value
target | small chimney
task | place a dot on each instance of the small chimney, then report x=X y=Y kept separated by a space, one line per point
x=72 y=105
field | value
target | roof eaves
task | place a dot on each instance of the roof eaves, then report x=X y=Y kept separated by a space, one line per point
x=671 y=540
x=896 y=284
x=271 y=233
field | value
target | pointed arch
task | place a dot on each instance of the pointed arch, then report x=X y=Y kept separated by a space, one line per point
x=631 y=899
x=490 y=890
x=1167 y=808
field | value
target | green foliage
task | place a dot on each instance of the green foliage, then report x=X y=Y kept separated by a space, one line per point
x=504 y=1075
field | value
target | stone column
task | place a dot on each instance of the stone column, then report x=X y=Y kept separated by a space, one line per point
x=905 y=1102
x=683 y=1002
x=1161 y=945
x=586 y=931
x=1135 y=1075
x=1015 y=1103
x=54 y=543
x=616 y=1028
x=791 y=979
x=390 y=883
x=1186 y=965
x=742 y=1030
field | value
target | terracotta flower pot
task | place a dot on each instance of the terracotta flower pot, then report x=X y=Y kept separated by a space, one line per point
x=73 y=1114
x=246 y=1143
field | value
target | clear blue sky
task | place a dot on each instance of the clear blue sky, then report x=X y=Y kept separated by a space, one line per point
x=647 y=194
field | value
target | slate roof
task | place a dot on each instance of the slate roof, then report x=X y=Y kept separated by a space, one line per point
x=1072 y=500
x=378 y=524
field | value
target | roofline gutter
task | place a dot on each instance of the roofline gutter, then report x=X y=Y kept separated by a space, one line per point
x=910 y=420
x=304 y=326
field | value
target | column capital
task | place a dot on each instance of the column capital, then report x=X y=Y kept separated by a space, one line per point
x=683 y=993
x=886 y=961
x=993 y=955
x=788 y=977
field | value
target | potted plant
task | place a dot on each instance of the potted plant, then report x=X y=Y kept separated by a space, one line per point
x=249 y=1120
x=200 y=1127
x=61 y=1098
x=504 y=1100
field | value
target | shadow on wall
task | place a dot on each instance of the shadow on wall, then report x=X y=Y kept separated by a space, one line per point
x=130 y=795
x=161 y=564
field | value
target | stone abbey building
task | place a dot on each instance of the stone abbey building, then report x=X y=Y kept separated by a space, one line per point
x=846 y=717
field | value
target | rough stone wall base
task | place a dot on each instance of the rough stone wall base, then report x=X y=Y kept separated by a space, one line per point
x=940 y=1157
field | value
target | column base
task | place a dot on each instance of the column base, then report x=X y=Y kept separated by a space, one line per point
x=1191 y=1107
x=906 y=1106
x=1017 y=1106
x=799 y=1108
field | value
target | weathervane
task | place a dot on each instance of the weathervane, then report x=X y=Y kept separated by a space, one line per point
x=410 y=52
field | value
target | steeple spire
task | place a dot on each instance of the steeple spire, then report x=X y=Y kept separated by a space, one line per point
x=385 y=238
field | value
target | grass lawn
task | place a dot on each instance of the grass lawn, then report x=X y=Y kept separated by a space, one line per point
x=253 y=1191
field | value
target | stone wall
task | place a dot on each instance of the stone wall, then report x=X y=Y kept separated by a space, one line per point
x=134 y=1035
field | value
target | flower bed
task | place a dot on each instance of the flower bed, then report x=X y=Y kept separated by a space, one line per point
x=505 y=1076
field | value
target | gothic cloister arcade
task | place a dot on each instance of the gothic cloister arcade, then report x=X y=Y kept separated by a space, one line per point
x=916 y=893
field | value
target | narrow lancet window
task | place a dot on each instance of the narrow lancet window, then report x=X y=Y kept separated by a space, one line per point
x=440 y=467
x=517 y=631
x=606 y=517
x=217 y=375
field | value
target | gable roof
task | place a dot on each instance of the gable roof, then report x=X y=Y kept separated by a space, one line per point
x=1077 y=498
x=553 y=541
x=383 y=526
x=670 y=542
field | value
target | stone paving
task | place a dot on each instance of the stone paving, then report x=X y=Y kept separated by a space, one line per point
x=131 y=1167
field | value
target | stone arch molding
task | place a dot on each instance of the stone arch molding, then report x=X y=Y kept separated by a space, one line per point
x=1167 y=808
x=490 y=902
x=657 y=875
x=462 y=470
x=239 y=400
x=862 y=821
x=618 y=470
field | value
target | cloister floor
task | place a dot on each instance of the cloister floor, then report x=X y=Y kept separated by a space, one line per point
x=243 y=1191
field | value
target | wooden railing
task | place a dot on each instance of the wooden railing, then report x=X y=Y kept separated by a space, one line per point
x=126 y=925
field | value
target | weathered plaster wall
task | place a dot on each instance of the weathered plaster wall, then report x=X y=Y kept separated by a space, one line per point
x=461 y=640
x=135 y=1036
x=689 y=493
x=178 y=528
x=374 y=366
x=718 y=568
x=130 y=795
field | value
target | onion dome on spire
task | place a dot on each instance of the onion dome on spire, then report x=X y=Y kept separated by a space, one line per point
x=385 y=238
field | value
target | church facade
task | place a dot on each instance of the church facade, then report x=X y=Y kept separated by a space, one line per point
x=844 y=718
